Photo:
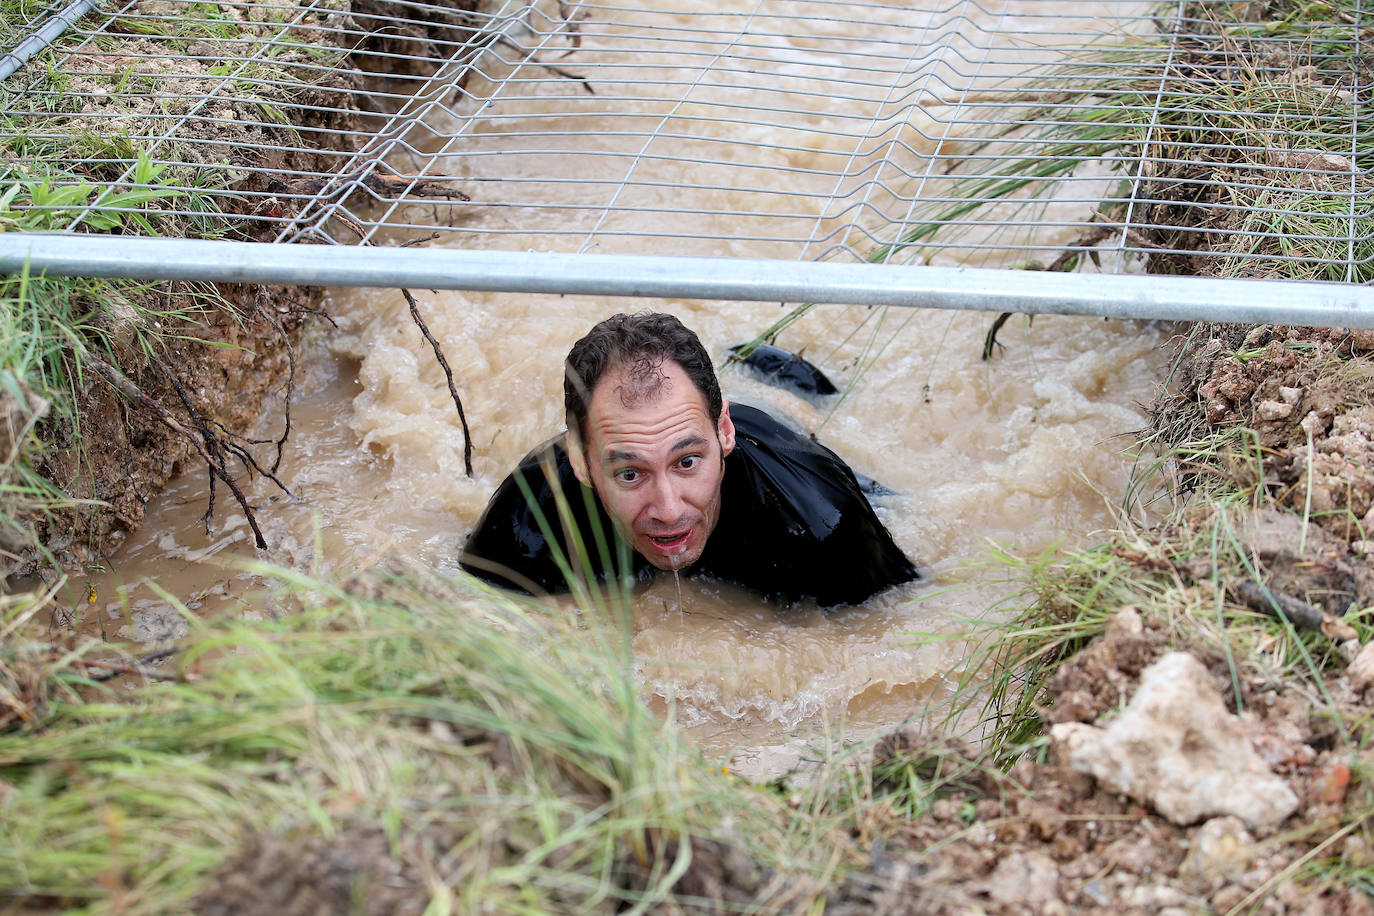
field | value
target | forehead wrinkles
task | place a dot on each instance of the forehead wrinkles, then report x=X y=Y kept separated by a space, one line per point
x=676 y=410
x=644 y=435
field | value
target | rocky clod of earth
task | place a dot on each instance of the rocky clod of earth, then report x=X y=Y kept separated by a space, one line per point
x=1177 y=748
x=1303 y=394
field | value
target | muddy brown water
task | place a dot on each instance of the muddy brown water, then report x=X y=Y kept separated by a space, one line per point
x=1023 y=452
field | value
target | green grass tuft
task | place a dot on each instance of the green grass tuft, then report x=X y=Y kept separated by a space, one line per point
x=513 y=739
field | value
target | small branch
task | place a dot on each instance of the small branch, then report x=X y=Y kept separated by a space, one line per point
x=124 y=386
x=114 y=669
x=422 y=240
x=570 y=20
x=286 y=428
x=215 y=444
x=385 y=185
x=1285 y=607
x=1069 y=259
x=290 y=393
x=1066 y=261
x=250 y=464
x=438 y=352
x=212 y=445
x=990 y=339
x=448 y=374
x=556 y=71
x=314 y=313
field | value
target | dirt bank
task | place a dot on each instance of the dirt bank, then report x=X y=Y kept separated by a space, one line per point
x=227 y=366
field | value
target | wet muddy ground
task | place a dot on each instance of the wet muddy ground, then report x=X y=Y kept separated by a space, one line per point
x=1049 y=837
x=1059 y=833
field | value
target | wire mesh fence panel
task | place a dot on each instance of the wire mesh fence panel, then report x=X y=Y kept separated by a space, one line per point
x=1179 y=137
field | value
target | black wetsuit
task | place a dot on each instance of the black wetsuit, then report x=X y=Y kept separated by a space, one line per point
x=793 y=524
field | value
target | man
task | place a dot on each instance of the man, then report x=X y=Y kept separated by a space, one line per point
x=658 y=470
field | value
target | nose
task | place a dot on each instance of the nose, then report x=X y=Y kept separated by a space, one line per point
x=666 y=503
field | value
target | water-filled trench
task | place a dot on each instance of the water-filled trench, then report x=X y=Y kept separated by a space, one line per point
x=1024 y=451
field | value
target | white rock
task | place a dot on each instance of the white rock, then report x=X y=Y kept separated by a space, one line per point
x=1154 y=897
x=1027 y=878
x=1273 y=410
x=1125 y=622
x=1176 y=747
x=1222 y=849
x=1360 y=672
x=1290 y=395
x=765 y=763
x=1313 y=424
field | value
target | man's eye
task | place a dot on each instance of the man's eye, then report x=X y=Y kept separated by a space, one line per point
x=687 y=462
x=626 y=475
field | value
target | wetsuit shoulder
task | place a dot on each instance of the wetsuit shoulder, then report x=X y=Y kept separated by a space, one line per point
x=794 y=522
x=541 y=526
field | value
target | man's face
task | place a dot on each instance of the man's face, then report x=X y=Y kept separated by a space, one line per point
x=657 y=462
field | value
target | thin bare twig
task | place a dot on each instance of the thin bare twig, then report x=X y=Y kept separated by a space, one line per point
x=1066 y=261
x=448 y=374
x=438 y=352
x=1285 y=607
x=114 y=669
x=290 y=392
x=384 y=185
x=214 y=443
x=124 y=386
x=556 y=71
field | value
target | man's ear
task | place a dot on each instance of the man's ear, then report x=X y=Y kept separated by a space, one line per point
x=577 y=458
x=725 y=430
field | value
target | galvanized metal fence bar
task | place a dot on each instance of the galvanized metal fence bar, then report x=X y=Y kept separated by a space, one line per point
x=49 y=32
x=744 y=279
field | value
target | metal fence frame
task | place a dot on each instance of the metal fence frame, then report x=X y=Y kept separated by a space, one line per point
x=509 y=47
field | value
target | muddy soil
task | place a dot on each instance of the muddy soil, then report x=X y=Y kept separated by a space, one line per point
x=123 y=456
x=1050 y=838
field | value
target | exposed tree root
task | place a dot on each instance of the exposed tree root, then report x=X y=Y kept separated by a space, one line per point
x=385 y=185
x=290 y=393
x=217 y=444
x=202 y=443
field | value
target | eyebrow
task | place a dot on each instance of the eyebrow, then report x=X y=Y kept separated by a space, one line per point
x=691 y=441
x=686 y=442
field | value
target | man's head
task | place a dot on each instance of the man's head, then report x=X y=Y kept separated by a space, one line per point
x=649 y=432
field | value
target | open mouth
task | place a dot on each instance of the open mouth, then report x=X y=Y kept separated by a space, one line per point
x=672 y=543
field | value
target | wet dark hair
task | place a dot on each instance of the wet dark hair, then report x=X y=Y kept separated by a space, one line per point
x=641 y=343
